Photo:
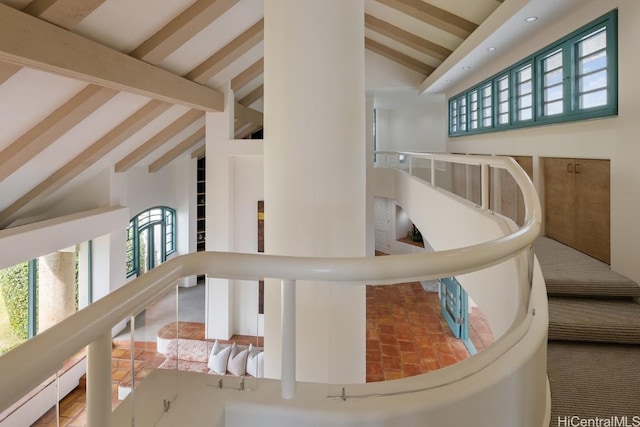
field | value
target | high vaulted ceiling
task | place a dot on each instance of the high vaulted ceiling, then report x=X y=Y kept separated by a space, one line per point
x=90 y=84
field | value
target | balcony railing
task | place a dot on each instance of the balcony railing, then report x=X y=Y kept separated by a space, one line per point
x=92 y=326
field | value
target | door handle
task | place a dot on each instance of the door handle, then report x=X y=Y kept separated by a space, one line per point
x=578 y=168
x=570 y=167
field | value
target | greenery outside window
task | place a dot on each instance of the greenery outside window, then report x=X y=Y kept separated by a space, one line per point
x=572 y=79
x=38 y=293
x=151 y=238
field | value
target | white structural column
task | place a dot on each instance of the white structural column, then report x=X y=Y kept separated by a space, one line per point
x=219 y=217
x=56 y=293
x=315 y=177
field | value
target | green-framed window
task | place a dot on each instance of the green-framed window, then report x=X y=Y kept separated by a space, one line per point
x=574 y=78
x=151 y=238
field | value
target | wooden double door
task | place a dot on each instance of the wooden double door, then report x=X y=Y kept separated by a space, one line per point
x=577 y=204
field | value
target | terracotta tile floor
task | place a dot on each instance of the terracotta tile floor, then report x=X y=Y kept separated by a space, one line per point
x=146 y=358
x=406 y=336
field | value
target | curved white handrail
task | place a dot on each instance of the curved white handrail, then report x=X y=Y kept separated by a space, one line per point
x=64 y=339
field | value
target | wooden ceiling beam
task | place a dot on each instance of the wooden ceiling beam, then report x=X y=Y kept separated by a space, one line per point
x=247 y=114
x=158 y=140
x=244 y=130
x=242 y=79
x=63 y=13
x=7 y=70
x=398 y=57
x=229 y=53
x=182 y=28
x=51 y=128
x=434 y=16
x=178 y=150
x=34 y=43
x=88 y=157
x=406 y=38
x=199 y=152
x=253 y=96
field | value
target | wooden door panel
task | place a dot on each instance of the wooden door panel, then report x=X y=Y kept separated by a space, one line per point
x=592 y=180
x=559 y=200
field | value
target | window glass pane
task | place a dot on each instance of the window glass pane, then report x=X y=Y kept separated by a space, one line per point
x=143 y=249
x=143 y=218
x=552 y=78
x=553 y=93
x=155 y=214
x=524 y=93
x=552 y=62
x=552 y=108
x=487 y=106
x=593 y=81
x=463 y=114
x=524 y=101
x=524 y=88
x=14 y=306
x=503 y=100
x=503 y=83
x=525 y=114
x=157 y=255
x=454 y=116
x=593 y=42
x=595 y=62
x=473 y=109
x=593 y=99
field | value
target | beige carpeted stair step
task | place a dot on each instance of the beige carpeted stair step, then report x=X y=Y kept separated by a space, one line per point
x=569 y=272
x=594 y=320
x=591 y=380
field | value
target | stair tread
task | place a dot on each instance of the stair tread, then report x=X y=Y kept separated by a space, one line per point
x=589 y=379
x=595 y=320
x=567 y=271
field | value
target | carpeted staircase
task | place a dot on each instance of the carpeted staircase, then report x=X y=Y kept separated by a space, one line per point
x=594 y=338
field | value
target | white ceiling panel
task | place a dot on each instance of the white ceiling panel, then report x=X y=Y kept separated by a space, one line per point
x=404 y=49
x=412 y=25
x=28 y=97
x=125 y=24
x=223 y=30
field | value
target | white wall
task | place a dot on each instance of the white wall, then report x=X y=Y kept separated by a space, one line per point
x=145 y=190
x=413 y=127
x=248 y=188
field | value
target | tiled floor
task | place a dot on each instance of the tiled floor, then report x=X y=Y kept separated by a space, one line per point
x=406 y=335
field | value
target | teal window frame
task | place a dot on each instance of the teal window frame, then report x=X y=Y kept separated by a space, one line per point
x=461 y=124
x=163 y=215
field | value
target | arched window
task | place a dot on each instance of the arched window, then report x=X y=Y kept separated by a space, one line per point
x=151 y=237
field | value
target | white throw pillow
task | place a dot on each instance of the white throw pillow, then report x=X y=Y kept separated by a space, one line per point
x=237 y=364
x=255 y=362
x=219 y=357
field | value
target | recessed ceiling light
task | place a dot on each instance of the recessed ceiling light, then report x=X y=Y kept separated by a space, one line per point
x=491 y=49
x=531 y=19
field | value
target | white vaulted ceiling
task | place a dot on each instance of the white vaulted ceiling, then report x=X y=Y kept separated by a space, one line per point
x=57 y=129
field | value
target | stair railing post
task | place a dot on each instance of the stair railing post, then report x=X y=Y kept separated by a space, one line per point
x=484 y=181
x=288 y=373
x=99 y=382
